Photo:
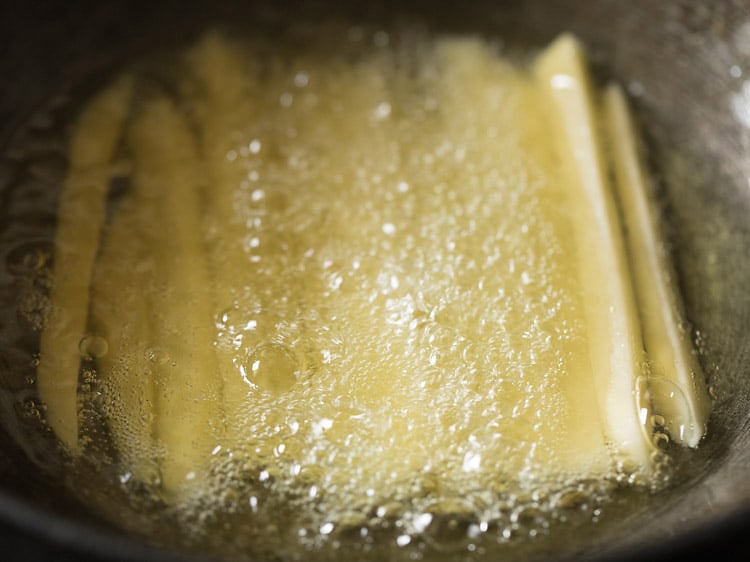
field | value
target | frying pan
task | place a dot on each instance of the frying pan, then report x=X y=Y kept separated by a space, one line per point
x=686 y=65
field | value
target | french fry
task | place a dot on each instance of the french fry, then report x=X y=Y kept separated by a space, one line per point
x=121 y=301
x=613 y=327
x=469 y=82
x=226 y=99
x=683 y=402
x=188 y=418
x=81 y=214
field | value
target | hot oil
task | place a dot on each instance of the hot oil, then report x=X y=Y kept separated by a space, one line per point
x=393 y=291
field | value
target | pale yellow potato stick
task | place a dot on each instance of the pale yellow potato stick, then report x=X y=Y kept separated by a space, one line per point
x=469 y=79
x=226 y=101
x=81 y=214
x=188 y=386
x=614 y=333
x=121 y=302
x=677 y=388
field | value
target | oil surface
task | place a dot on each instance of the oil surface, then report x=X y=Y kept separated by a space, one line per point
x=382 y=281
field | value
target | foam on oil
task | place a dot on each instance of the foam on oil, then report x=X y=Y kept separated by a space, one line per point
x=394 y=294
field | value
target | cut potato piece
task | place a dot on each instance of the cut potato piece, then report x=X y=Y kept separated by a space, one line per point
x=188 y=420
x=81 y=214
x=227 y=99
x=614 y=333
x=122 y=301
x=676 y=387
x=507 y=97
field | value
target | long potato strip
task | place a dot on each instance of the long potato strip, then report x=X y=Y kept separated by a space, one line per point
x=187 y=417
x=682 y=401
x=578 y=446
x=81 y=214
x=122 y=298
x=614 y=334
x=227 y=99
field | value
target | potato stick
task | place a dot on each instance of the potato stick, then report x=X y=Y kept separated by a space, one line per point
x=188 y=384
x=614 y=333
x=230 y=101
x=120 y=303
x=81 y=213
x=228 y=106
x=357 y=118
x=577 y=445
x=684 y=404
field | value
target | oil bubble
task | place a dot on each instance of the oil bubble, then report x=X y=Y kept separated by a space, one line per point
x=28 y=257
x=671 y=405
x=273 y=367
x=93 y=346
x=158 y=356
x=450 y=524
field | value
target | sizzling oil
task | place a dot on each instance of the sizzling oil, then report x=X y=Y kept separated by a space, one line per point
x=390 y=281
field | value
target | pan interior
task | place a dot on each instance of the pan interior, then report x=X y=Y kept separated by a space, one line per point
x=697 y=143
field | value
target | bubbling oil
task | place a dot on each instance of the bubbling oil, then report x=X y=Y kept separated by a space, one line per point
x=388 y=276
